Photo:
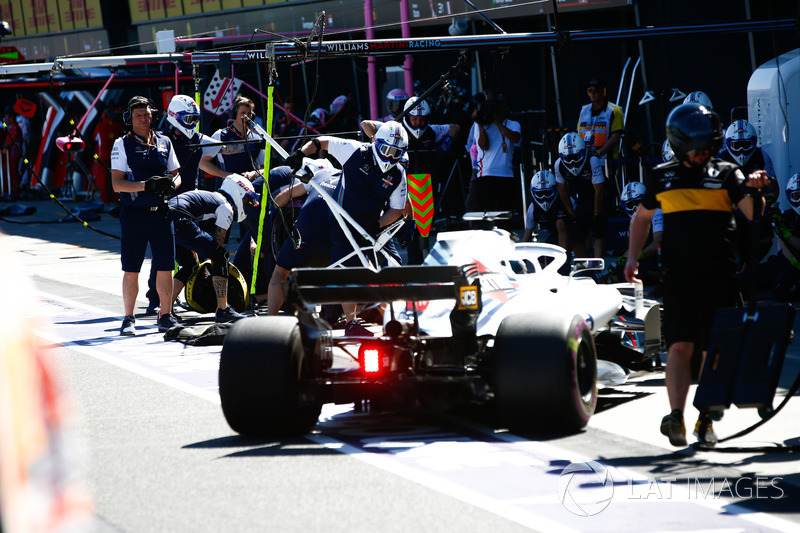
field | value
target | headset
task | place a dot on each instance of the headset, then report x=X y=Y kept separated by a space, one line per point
x=242 y=100
x=138 y=101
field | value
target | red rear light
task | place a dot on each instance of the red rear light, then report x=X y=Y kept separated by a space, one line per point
x=374 y=358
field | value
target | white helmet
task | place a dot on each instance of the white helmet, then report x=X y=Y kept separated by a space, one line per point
x=183 y=114
x=389 y=145
x=572 y=151
x=419 y=108
x=544 y=189
x=241 y=192
x=698 y=97
x=666 y=152
x=741 y=139
x=631 y=196
x=793 y=192
x=311 y=167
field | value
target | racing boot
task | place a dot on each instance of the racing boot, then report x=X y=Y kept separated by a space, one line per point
x=128 y=328
x=704 y=430
x=167 y=322
x=672 y=426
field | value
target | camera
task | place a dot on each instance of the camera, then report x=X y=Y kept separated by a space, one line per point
x=484 y=114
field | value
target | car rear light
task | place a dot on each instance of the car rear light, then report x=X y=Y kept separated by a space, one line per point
x=374 y=359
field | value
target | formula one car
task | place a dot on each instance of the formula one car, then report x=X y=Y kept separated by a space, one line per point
x=483 y=320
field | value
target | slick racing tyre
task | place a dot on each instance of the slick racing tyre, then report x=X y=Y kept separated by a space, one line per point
x=260 y=373
x=545 y=372
x=200 y=295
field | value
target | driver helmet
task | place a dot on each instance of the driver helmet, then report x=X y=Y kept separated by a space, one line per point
x=395 y=100
x=389 y=145
x=183 y=114
x=698 y=97
x=631 y=196
x=544 y=189
x=740 y=141
x=667 y=154
x=793 y=192
x=240 y=191
x=419 y=108
x=572 y=151
x=693 y=128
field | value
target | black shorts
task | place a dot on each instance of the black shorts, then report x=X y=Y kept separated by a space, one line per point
x=690 y=302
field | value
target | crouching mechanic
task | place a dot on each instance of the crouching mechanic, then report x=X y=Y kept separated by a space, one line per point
x=546 y=212
x=202 y=221
x=372 y=188
x=144 y=170
x=697 y=194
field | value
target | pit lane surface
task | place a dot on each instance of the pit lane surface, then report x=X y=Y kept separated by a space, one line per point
x=161 y=457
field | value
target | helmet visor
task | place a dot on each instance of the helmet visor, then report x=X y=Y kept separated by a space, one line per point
x=188 y=120
x=794 y=197
x=390 y=152
x=572 y=159
x=630 y=205
x=544 y=196
x=741 y=145
x=251 y=199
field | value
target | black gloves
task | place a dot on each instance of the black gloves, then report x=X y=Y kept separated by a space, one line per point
x=160 y=185
x=295 y=160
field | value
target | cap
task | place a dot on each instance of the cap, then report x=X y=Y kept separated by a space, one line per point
x=596 y=82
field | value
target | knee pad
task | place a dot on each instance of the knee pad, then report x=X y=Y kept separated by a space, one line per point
x=219 y=262
x=185 y=273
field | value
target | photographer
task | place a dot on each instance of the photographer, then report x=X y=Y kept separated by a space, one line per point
x=495 y=137
x=144 y=170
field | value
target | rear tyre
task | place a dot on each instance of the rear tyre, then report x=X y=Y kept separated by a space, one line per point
x=260 y=373
x=545 y=373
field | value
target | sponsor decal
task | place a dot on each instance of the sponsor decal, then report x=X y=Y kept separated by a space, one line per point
x=468 y=297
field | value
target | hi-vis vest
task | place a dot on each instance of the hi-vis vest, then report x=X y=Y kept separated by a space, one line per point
x=595 y=130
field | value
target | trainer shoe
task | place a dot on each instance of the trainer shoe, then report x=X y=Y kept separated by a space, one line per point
x=672 y=426
x=227 y=315
x=166 y=322
x=128 y=326
x=704 y=430
x=355 y=328
x=152 y=309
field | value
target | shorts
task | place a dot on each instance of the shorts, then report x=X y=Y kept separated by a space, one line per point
x=189 y=235
x=138 y=228
x=690 y=303
x=312 y=227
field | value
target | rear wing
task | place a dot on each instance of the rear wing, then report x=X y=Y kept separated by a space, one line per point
x=408 y=283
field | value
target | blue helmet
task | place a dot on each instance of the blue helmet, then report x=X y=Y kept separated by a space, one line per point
x=793 y=192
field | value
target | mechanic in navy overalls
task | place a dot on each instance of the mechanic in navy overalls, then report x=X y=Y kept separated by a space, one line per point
x=202 y=221
x=372 y=188
x=245 y=159
x=144 y=170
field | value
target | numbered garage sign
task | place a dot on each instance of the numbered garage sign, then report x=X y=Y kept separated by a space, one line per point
x=220 y=93
x=420 y=192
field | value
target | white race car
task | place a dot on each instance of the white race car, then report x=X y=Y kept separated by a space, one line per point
x=484 y=320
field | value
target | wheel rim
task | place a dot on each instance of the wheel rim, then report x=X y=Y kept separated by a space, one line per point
x=585 y=370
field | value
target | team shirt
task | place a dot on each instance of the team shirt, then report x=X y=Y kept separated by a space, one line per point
x=205 y=208
x=250 y=158
x=697 y=203
x=140 y=161
x=497 y=161
x=596 y=126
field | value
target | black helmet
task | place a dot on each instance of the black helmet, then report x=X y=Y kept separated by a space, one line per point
x=693 y=128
